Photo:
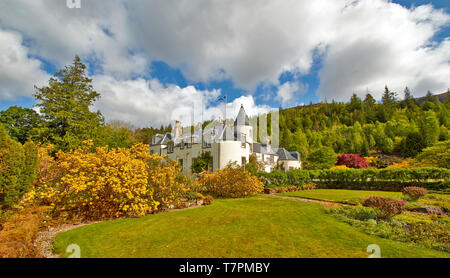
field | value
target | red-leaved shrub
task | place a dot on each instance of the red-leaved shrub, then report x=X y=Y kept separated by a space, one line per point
x=352 y=161
x=386 y=207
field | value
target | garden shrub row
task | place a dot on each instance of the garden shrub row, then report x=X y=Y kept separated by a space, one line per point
x=366 y=179
x=19 y=232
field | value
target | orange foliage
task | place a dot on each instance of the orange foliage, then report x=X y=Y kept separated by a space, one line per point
x=407 y=163
x=19 y=233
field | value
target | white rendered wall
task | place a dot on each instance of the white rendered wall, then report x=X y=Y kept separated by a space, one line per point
x=231 y=151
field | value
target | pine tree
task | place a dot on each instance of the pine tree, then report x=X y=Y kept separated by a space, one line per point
x=64 y=106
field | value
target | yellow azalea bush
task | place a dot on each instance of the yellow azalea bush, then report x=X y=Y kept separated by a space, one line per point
x=106 y=183
x=371 y=160
x=232 y=181
x=337 y=167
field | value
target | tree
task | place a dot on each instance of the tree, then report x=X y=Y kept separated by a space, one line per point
x=369 y=108
x=429 y=127
x=18 y=168
x=114 y=137
x=408 y=94
x=412 y=144
x=437 y=155
x=388 y=145
x=64 y=105
x=355 y=103
x=21 y=123
x=369 y=100
x=388 y=97
x=253 y=166
x=202 y=163
x=352 y=161
x=323 y=158
x=408 y=98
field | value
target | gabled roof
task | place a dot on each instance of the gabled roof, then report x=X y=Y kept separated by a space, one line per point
x=283 y=154
x=162 y=139
x=242 y=118
x=263 y=149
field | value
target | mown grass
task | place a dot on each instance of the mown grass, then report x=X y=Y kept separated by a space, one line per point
x=260 y=226
x=341 y=195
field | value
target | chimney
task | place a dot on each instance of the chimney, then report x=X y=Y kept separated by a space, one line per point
x=178 y=129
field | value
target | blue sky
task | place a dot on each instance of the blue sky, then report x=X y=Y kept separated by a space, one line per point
x=164 y=50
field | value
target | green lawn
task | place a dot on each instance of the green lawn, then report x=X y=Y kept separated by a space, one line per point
x=341 y=195
x=260 y=226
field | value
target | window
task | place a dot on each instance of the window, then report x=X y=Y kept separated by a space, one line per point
x=189 y=145
x=206 y=144
x=182 y=146
x=180 y=163
x=243 y=140
x=170 y=147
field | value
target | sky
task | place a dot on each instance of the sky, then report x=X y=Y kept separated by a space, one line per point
x=154 y=62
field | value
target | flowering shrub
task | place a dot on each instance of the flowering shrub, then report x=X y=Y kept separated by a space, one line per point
x=19 y=233
x=339 y=167
x=106 y=183
x=352 y=161
x=386 y=207
x=407 y=163
x=371 y=160
x=207 y=200
x=309 y=187
x=233 y=181
x=414 y=192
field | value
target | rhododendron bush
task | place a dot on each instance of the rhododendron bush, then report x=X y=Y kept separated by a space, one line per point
x=106 y=183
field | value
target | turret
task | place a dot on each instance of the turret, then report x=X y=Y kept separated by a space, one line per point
x=242 y=125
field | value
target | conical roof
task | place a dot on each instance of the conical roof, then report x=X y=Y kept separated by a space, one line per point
x=242 y=118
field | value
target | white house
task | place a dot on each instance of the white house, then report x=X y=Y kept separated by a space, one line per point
x=227 y=142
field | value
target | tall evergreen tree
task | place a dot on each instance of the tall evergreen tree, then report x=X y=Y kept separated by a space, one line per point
x=65 y=107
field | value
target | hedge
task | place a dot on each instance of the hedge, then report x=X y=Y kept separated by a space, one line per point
x=367 y=179
x=18 y=168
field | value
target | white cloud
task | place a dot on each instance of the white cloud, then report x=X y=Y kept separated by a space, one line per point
x=287 y=91
x=380 y=43
x=18 y=72
x=98 y=31
x=367 y=43
x=149 y=103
